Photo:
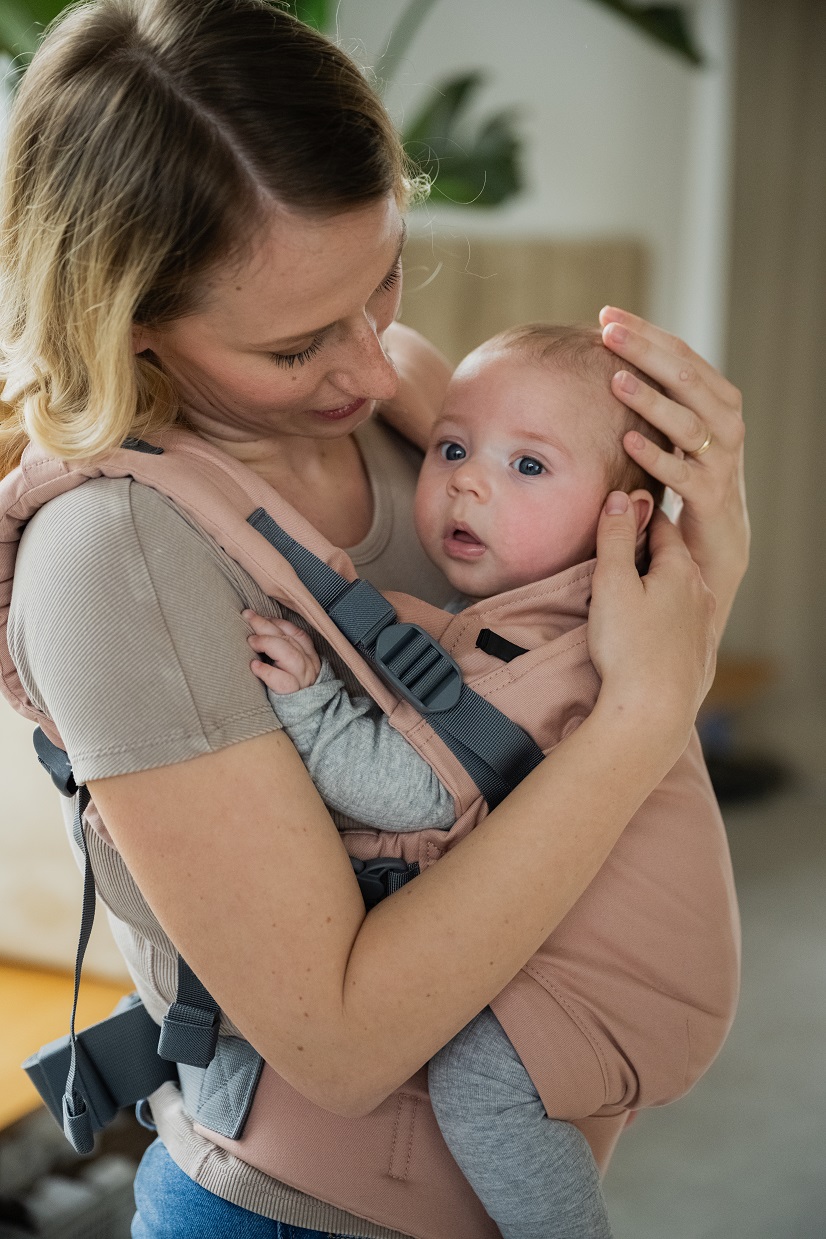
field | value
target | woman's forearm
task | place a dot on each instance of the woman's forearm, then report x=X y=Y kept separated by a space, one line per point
x=239 y=860
x=447 y=943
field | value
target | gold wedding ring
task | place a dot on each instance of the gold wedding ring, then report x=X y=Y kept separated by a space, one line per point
x=703 y=447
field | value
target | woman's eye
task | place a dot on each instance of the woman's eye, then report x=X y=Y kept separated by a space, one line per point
x=390 y=281
x=529 y=467
x=452 y=451
x=288 y=360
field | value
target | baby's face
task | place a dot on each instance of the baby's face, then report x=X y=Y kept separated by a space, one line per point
x=515 y=477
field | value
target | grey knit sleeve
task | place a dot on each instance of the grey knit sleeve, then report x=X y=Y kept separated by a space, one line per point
x=360 y=765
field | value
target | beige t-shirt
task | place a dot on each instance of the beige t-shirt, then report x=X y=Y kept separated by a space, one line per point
x=126 y=629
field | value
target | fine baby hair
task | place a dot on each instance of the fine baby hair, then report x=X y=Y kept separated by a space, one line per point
x=579 y=350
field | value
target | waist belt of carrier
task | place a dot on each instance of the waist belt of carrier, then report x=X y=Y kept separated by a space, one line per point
x=496 y=752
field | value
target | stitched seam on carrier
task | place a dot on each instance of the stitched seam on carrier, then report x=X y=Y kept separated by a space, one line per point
x=542 y=979
x=403 y=1097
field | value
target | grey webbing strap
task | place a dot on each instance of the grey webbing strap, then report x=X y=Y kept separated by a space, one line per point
x=77 y=1123
x=496 y=752
x=189 y=1033
x=323 y=582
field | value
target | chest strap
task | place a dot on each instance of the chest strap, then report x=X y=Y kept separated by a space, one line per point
x=496 y=752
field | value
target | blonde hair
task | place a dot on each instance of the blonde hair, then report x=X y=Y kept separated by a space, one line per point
x=580 y=350
x=146 y=140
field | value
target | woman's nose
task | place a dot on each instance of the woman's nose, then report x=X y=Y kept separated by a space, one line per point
x=368 y=370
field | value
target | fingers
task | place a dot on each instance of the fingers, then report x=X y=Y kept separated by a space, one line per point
x=295 y=663
x=664 y=466
x=642 y=336
x=666 y=542
x=616 y=541
x=698 y=399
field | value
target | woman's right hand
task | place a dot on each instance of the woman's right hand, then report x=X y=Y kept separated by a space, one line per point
x=651 y=638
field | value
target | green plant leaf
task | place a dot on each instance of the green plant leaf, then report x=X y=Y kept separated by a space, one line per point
x=22 y=23
x=443 y=110
x=667 y=24
x=314 y=13
x=402 y=35
x=468 y=167
x=19 y=32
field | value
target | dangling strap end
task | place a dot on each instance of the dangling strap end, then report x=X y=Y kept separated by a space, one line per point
x=77 y=1124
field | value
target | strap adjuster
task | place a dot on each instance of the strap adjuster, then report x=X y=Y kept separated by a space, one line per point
x=418 y=668
x=189 y=1035
x=56 y=762
x=382 y=876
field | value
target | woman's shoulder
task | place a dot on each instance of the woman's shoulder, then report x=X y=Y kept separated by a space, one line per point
x=126 y=628
x=82 y=529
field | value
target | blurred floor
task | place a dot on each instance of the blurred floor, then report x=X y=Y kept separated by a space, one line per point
x=742 y=1157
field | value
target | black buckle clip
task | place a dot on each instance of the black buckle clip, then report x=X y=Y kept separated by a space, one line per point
x=373 y=876
x=56 y=762
x=418 y=668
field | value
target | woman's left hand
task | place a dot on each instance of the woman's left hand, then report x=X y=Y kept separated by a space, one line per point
x=701 y=414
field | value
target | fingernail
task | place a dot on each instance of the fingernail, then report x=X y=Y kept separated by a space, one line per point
x=618 y=334
x=635 y=440
x=627 y=381
x=616 y=503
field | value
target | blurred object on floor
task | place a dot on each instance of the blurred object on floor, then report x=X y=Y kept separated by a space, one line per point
x=48 y=1191
x=738 y=775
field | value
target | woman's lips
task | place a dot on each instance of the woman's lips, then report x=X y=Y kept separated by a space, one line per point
x=460 y=543
x=337 y=415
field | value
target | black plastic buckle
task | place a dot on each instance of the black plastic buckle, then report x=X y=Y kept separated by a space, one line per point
x=188 y=1035
x=418 y=668
x=56 y=762
x=372 y=876
x=141 y=445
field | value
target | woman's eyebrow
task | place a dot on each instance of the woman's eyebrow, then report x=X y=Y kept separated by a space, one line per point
x=317 y=331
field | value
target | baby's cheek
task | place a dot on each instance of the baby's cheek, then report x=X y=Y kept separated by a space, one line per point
x=426 y=509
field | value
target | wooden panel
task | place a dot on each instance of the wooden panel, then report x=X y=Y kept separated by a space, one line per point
x=35 y=1007
x=461 y=290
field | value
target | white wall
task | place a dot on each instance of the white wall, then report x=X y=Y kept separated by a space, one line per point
x=622 y=137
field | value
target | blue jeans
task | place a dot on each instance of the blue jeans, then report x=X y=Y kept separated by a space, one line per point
x=172 y=1206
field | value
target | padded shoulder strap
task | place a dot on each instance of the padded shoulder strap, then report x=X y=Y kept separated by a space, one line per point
x=496 y=752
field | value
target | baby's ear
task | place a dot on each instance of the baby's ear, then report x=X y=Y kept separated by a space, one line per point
x=643 y=504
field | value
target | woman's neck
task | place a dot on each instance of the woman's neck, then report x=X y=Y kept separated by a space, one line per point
x=325 y=480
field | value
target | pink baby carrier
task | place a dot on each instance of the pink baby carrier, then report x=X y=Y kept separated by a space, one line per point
x=631 y=997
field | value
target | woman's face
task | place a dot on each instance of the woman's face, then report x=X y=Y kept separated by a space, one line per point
x=287 y=341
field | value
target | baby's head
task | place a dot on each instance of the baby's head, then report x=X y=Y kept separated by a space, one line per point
x=527 y=446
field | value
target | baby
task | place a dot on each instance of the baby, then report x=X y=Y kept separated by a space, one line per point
x=526 y=447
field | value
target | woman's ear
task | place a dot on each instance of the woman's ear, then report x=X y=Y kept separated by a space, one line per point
x=140 y=338
x=643 y=503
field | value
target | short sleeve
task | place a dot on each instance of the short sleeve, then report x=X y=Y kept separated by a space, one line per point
x=126 y=628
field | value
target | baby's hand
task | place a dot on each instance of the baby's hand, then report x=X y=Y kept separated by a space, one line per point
x=296 y=662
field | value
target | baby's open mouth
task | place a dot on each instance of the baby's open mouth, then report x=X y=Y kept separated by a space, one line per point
x=461 y=543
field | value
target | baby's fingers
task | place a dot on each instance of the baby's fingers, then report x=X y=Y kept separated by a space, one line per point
x=263 y=626
x=277 y=680
x=284 y=652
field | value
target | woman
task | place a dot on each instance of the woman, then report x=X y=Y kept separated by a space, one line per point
x=203 y=222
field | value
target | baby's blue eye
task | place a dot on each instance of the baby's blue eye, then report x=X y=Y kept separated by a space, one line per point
x=529 y=467
x=452 y=451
